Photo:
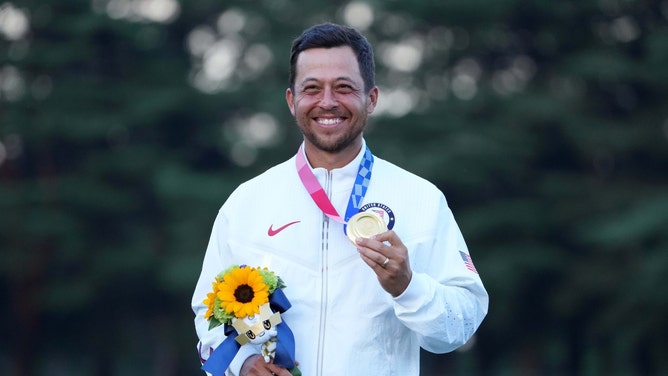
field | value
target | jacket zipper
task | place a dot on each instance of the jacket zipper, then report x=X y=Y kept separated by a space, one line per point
x=324 y=246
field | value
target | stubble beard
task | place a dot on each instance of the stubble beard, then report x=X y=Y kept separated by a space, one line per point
x=329 y=144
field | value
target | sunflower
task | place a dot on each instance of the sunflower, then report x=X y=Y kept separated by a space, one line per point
x=242 y=291
x=211 y=298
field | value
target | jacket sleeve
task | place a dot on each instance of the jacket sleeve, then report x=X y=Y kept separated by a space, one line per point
x=445 y=302
x=216 y=259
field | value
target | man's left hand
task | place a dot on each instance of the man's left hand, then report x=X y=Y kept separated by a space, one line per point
x=387 y=256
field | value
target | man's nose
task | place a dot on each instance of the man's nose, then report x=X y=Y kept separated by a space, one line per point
x=328 y=99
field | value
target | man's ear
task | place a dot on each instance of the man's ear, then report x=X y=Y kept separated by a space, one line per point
x=291 y=101
x=373 y=100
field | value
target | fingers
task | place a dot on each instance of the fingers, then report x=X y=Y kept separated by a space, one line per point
x=382 y=250
x=390 y=237
x=387 y=256
x=385 y=262
x=375 y=262
x=277 y=370
x=374 y=253
x=256 y=366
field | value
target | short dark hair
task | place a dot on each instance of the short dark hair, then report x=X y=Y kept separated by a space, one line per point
x=328 y=35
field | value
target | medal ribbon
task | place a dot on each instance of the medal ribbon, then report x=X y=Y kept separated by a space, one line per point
x=320 y=197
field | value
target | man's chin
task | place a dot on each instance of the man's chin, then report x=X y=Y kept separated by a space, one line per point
x=332 y=146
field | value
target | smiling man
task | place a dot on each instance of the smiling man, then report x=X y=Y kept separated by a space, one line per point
x=361 y=305
x=330 y=101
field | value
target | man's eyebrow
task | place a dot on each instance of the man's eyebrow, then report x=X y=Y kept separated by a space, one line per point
x=308 y=80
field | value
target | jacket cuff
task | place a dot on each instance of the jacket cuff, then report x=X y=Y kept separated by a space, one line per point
x=415 y=294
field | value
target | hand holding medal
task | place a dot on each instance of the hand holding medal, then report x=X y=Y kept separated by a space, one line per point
x=365 y=225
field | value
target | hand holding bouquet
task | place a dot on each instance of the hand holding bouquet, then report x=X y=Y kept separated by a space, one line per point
x=249 y=302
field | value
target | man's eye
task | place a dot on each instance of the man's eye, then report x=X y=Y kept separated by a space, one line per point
x=345 y=89
x=311 y=90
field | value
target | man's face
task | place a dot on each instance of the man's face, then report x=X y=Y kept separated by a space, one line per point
x=329 y=101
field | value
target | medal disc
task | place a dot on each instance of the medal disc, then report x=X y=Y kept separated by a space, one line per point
x=365 y=225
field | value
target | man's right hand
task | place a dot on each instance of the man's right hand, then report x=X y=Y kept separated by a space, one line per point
x=256 y=366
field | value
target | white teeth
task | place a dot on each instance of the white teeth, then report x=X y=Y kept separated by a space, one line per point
x=329 y=121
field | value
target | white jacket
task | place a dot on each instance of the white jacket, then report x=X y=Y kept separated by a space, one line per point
x=343 y=321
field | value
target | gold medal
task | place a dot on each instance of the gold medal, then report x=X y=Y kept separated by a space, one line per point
x=365 y=225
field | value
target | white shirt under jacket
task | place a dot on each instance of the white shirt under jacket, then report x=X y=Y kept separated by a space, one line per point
x=343 y=321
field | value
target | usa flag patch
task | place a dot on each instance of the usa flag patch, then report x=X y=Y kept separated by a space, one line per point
x=468 y=262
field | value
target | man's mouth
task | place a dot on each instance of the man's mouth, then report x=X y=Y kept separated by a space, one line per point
x=328 y=122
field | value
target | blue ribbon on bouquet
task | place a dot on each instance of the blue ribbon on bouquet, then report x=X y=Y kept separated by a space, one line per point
x=222 y=356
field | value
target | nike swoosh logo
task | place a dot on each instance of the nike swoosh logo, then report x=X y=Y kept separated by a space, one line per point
x=272 y=232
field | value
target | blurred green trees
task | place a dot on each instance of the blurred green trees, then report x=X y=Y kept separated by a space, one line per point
x=125 y=124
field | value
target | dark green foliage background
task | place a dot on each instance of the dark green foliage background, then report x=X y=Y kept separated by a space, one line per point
x=560 y=188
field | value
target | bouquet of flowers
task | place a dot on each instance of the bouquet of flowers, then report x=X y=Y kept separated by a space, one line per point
x=249 y=302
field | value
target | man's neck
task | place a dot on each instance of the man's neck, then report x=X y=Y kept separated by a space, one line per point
x=322 y=159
